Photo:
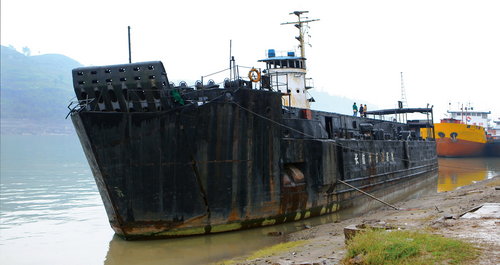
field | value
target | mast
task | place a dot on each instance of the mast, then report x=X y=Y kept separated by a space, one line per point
x=403 y=92
x=300 y=26
x=129 y=49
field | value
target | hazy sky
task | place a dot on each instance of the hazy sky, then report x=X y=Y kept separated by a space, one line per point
x=448 y=51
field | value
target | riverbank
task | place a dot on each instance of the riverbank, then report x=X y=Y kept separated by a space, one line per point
x=437 y=213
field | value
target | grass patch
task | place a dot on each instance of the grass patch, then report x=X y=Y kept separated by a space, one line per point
x=407 y=247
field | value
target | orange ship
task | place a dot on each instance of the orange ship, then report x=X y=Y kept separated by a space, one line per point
x=456 y=139
x=463 y=134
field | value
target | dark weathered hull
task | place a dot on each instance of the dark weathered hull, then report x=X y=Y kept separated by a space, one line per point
x=237 y=163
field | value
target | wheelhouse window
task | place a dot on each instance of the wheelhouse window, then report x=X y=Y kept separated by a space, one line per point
x=278 y=64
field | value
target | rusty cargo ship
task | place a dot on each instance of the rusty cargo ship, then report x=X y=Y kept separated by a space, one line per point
x=173 y=160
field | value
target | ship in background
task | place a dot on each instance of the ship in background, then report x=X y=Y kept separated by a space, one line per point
x=462 y=134
x=176 y=160
x=493 y=139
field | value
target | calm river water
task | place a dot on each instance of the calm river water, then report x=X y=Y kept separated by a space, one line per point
x=51 y=212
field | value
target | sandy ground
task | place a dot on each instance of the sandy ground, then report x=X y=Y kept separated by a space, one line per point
x=438 y=213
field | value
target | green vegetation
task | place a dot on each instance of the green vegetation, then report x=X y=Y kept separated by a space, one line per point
x=406 y=247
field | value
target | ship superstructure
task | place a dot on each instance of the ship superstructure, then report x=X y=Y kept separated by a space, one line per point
x=494 y=130
x=287 y=75
x=470 y=116
x=287 y=71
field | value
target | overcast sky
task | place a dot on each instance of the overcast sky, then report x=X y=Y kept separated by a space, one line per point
x=448 y=51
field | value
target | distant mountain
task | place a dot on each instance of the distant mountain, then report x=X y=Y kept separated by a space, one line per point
x=35 y=91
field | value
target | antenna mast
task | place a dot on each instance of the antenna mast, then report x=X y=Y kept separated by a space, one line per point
x=302 y=30
x=129 y=49
x=403 y=92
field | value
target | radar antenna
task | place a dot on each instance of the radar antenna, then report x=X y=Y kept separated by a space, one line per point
x=302 y=29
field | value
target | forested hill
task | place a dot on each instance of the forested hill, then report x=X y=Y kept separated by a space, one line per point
x=35 y=91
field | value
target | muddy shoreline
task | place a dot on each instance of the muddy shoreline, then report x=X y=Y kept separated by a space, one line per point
x=437 y=213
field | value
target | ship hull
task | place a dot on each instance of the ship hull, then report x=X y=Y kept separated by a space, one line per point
x=447 y=147
x=460 y=140
x=493 y=148
x=237 y=164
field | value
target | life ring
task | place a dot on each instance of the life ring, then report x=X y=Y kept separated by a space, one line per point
x=254 y=75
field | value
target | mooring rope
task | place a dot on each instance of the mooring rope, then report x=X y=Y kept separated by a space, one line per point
x=369 y=195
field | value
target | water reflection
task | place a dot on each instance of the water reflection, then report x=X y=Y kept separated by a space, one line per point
x=204 y=249
x=192 y=250
x=459 y=172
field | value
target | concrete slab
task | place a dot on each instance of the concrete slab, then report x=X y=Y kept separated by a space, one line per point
x=485 y=211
